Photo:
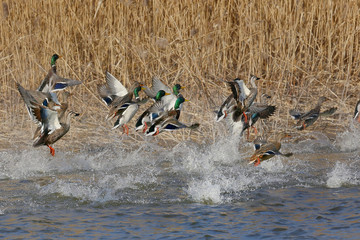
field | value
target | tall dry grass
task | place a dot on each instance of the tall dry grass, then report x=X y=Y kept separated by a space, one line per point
x=300 y=49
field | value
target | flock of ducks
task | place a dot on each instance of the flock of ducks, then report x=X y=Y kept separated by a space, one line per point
x=53 y=117
x=239 y=110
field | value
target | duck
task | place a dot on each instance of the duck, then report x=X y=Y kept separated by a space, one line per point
x=225 y=108
x=257 y=111
x=33 y=98
x=243 y=96
x=168 y=122
x=268 y=149
x=126 y=113
x=53 y=82
x=356 y=113
x=61 y=109
x=168 y=100
x=149 y=114
x=242 y=93
x=116 y=96
x=159 y=109
x=55 y=124
x=309 y=118
x=158 y=85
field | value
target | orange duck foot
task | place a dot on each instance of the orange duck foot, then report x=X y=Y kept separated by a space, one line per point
x=245 y=117
x=257 y=162
x=157 y=132
x=52 y=150
x=127 y=129
x=146 y=126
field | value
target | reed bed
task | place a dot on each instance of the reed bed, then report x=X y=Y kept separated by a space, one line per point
x=299 y=49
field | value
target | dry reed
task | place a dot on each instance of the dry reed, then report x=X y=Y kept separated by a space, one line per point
x=300 y=49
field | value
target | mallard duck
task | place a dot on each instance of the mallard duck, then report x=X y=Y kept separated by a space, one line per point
x=116 y=96
x=157 y=85
x=226 y=108
x=242 y=93
x=52 y=82
x=307 y=119
x=159 y=109
x=258 y=111
x=243 y=96
x=53 y=126
x=357 y=110
x=255 y=112
x=33 y=98
x=168 y=122
x=149 y=114
x=126 y=113
x=268 y=149
x=61 y=109
x=168 y=100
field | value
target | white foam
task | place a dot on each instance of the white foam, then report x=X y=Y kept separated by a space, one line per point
x=350 y=139
x=342 y=174
x=204 y=191
x=36 y=162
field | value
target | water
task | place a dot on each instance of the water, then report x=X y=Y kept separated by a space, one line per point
x=189 y=192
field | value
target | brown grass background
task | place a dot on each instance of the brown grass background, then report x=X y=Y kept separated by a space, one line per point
x=299 y=49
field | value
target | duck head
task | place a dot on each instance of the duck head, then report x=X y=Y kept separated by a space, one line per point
x=160 y=94
x=180 y=100
x=177 y=88
x=54 y=58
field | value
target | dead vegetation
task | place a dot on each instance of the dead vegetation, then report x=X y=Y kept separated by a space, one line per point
x=299 y=49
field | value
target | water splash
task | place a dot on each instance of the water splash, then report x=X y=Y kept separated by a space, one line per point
x=313 y=142
x=350 y=139
x=207 y=173
x=342 y=175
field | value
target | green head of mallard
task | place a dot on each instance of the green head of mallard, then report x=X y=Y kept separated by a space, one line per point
x=137 y=90
x=180 y=100
x=160 y=94
x=54 y=58
x=177 y=88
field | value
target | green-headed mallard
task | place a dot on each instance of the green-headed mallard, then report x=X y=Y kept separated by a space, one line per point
x=52 y=82
x=168 y=100
x=151 y=112
x=115 y=95
x=268 y=149
x=168 y=122
x=157 y=85
x=307 y=119
x=159 y=109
